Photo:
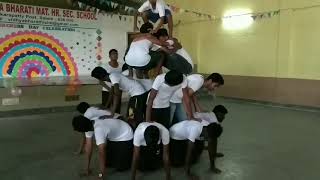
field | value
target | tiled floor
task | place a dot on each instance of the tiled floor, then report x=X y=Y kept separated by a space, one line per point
x=260 y=143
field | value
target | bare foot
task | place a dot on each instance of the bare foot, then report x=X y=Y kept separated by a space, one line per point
x=219 y=155
x=215 y=170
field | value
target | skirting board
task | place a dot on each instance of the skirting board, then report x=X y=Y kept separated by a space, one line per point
x=285 y=91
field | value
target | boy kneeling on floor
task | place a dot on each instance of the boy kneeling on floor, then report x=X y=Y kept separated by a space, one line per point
x=187 y=144
x=114 y=139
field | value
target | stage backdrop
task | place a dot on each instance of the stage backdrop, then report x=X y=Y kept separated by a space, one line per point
x=46 y=42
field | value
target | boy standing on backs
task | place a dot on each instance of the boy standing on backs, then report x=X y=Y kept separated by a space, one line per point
x=153 y=10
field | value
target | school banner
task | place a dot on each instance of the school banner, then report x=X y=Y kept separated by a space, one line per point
x=44 y=42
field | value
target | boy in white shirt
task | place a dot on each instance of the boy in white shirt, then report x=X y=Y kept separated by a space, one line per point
x=213 y=122
x=151 y=147
x=140 y=56
x=92 y=113
x=138 y=95
x=195 y=83
x=153 y=10
x=112 y=66
x=114 y=139
x=158 y=104
x=187 y=144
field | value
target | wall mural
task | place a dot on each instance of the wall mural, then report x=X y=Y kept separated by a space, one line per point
x=35 y=54
x=50 y=46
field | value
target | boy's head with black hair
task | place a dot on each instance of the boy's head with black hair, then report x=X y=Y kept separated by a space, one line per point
x=82 y=107
x=220 y=111
x=214 y=81
x=162 y=35
x=173 y=78
x=146 y=27
x=152 y=136
x=100 y=74
x=82 y=124
x=113 y=55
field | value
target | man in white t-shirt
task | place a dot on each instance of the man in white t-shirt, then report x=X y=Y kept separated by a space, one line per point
x=114 y=139
x=140 y=57
x=212 y=122
x=150 y=139
x=158 y=104
x=113 y=66
x=153 y=10
x=195 y=83
x=187 y=144
x=138 y=95
x=92 y=113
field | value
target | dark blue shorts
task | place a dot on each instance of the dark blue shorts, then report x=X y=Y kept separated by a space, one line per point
x=154 y=17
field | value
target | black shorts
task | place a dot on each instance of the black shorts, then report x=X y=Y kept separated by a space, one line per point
x=154 y=17
x=178 y=63
x=150 y=160
x=162 y=116
x=178 y=152
x=119 y=154
x=137 y=108
x=156 y=57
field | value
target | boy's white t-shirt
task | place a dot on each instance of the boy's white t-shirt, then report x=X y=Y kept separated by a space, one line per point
x=146 y=83
x=139 y=140
x=94 y=114
x=110 y=70
x=112 y=130
x=186 y=130
x=165 y=92
x=126 y=73
x=161 y=6
x=206 y=117
x=138 y=54
x=132 y=86
x=195 y=82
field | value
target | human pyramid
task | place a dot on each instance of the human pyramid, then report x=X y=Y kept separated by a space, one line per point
x=164 y=123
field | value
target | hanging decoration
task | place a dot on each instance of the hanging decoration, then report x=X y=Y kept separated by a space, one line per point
x=129 y=7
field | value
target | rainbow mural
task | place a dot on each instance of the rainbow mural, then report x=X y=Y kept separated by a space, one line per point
x=29 y=54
